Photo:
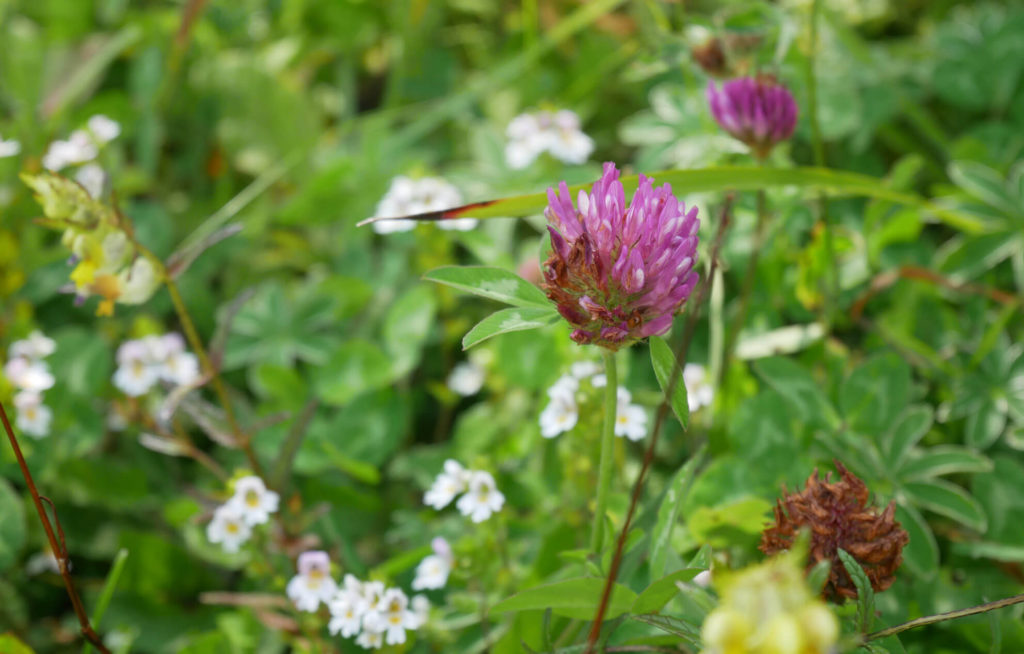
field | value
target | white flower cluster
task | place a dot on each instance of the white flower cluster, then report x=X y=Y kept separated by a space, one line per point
x=142 y=363
x=480 y=495
x=366 y=610
x=532 y=134
x=82 y=147
x=407 y=197
x=9 y=148
x=432 y=572
x=562 y=412
x=29 y=373
x=250 y=505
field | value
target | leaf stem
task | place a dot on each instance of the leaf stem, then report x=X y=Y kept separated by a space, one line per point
x=604 y=474
x=942 y=617
x=57 y=547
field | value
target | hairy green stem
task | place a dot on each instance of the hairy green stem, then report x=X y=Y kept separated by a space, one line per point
x=604 y=478
x=942 y=617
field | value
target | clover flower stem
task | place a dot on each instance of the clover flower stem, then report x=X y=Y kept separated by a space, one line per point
x=748 y=282
x=604 y=471
x=58 y=547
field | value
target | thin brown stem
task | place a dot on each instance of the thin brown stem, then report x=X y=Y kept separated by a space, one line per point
x=942 y=617
x=56 y=545
x=680 y=354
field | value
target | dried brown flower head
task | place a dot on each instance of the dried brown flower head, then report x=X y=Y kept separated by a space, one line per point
x=838 y=516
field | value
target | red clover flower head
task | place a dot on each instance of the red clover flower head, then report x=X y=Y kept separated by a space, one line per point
x=756 y=110
x=618 y=273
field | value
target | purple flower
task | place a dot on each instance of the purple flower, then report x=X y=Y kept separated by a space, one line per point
x=756 y=110
x=618 y=273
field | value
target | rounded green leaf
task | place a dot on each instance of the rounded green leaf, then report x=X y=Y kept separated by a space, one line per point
x=985 y=425
x=944 y=460
x=908 y=430
x=949 y=500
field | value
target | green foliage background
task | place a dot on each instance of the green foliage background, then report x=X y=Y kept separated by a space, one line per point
x=290 y=118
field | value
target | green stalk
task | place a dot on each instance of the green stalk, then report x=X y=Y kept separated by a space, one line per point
x=604 y=478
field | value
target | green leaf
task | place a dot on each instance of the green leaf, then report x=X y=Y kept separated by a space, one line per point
x=740 y=178
x=723 y=524
x=818 y=575
x=865 y=594
x=356 y=367
x=658 y=594
x=573 y=598
x=494 y=283
x=668 y=511
x=407 y=326
x=949 y=500
x=12 y=525
x=909 y=428
x=799 y=388
x=944 y=460
x=689 y=633
x=985 y=184
x=510 y=320
x=9 y=644
x=985 y=425
x=664 y=360
x=109 y=586
x=922 y=552
x=990 y=550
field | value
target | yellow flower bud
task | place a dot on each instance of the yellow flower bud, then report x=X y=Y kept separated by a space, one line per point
x=726 y=631
x=819 y=626
x=782 y=635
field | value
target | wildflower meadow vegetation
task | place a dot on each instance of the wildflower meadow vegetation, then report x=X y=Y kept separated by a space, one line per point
x=500 y=326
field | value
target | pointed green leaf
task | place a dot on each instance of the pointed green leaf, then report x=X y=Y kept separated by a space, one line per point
x=944 y=460
x=669 y=511
x=494 y=283
x=509 y=320
x=949 y=500
x=799 y=388
x=922 y=552
x=572 y=598
x=910 y=427
x=865 y=594
x=985 y=425
x=658 y=594
x=664 y=360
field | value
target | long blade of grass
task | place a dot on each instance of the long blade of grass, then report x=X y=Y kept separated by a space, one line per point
x=722 y=178
x=108 y=592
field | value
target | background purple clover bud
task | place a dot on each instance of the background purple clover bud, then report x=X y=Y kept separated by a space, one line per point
x=756 y=110
x=619 y=274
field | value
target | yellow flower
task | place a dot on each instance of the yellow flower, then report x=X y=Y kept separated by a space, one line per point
x=768 y=609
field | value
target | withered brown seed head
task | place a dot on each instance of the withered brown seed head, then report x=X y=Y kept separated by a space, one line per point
x=838 y=515
x=711 y=57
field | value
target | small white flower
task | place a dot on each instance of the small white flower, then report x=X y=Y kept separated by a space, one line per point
x=41 y=562
x=137 y=371
x=79 y=148
x=254 y=501
x=313 y=584
x=421 y=609
x=466 y=378
x=433 y=571
x=36 y=346
x=104 y=129
x=568 y=143
x=482 y=497
x=699 y=391
x=228 y=528
x=179 y=367
x=448 y=484
x=631 y=421
x=92 y=178
x=346 y=614
x=599 y=381
x=530 y=135
x=372 y=598
x=564 y=386
x=29 y=374
x=371 y=639
x=397 y=616
x=584 y=369
x=9 y=148
x=560 y=415
x=703 y=579
x=33 y=416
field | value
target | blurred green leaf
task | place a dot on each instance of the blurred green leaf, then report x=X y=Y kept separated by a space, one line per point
x=12 y=525
x=664 y=361
x=668 y=511
x=949 y=500
x=572 y=598
x=509 y=320
x=355 y=368
x=660 y=592
x=493 y=283
x=944 y=460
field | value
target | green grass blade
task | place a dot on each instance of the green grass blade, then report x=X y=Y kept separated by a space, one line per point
x=107 y=593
